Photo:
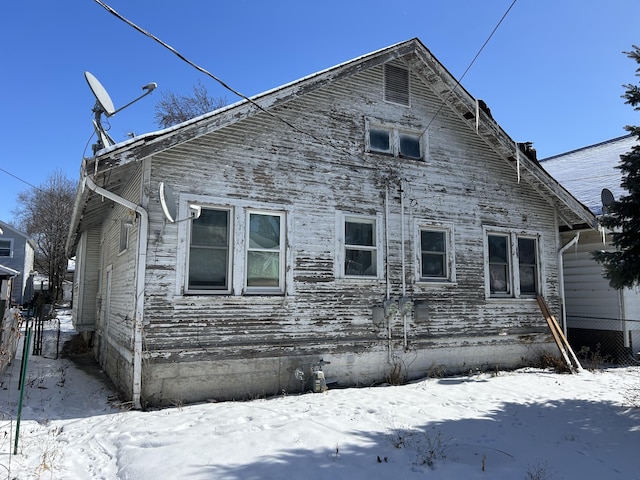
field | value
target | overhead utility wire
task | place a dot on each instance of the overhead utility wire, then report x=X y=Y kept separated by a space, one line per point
x=259 y=107
x=471 y=64
x=20 y=179
x=206 y=72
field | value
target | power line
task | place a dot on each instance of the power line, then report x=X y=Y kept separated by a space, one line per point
x=209 y=74
x=19 y=179
x=321 y=141
x=444 y=102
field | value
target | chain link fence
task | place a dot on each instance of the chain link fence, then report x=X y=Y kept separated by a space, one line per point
x=604 y=341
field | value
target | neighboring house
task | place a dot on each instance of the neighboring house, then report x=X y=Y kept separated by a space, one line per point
x=372 y=218
x=597 y=316
x=7 y=276
x=9 y=319
x=17 y=253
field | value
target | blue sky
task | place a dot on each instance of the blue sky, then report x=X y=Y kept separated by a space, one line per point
x=552 y=73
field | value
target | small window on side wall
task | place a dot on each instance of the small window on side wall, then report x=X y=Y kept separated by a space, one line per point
x=125 y=228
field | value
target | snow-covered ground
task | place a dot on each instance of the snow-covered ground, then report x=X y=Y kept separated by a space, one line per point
x=529 y=424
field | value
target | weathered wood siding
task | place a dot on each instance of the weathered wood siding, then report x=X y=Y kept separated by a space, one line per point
x=113 y=342
x=228 y=346
x=86 y=282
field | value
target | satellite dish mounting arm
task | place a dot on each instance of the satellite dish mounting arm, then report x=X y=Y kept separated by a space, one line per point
x=149 y=87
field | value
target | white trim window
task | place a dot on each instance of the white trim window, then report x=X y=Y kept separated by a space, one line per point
x=265 y=252
x=359 y=255
x=6 y=247
x=209 y=255
x=512 y=264
x=395 y=140
x=125 y=227
x=436 y=258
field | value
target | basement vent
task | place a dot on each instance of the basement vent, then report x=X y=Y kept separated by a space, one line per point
x=396 y=84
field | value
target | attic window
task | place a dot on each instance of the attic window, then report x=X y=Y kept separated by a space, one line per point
x=396 y=84
x=391 y=139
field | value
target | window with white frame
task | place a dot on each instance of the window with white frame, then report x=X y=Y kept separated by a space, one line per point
x=125 y=227
x=265 y=252
x=436 y=256
x=394 y=140
x=6 y=248
x=360 y=247
x=528 y=265
x=512 y=264
x=209 y=257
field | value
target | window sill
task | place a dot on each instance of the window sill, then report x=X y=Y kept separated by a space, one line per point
x=423 y=282
x=527 y=298
x=359 y=278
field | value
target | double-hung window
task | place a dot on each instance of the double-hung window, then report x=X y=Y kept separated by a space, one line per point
x=209 y=265
x=528 y=265
x=265 y=252
x=512 y=264
x=234 y=250
x=398 y=141
x=6 y=247
x=360 y=247
x=436 y=256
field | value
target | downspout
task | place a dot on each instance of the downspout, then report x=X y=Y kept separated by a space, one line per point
x=140 y=274
x=386 y=266
x=571 y=242
x=404 y=280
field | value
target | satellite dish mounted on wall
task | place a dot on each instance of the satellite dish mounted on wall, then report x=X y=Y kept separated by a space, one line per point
x=104 y=104
x=168 y=202
x=607 y=199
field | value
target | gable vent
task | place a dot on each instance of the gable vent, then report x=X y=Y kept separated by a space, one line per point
x=396 y=84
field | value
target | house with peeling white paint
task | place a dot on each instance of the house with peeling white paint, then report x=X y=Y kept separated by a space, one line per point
x=368 y=223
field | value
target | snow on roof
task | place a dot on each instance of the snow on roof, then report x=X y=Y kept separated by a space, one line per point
x=586 y=171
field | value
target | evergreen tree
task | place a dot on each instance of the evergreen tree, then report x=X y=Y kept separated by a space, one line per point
x=622 y=266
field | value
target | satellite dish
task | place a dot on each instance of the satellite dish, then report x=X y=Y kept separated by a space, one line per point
x=168 y=202
x=607 y=199
x=104 y=104
x=102 y=97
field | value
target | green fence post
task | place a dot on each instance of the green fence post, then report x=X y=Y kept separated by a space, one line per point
x=25 y=358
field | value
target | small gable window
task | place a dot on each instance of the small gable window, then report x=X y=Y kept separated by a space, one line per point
x=380 y=140
x=399 y=141
x=396 y=85
x=409 y=145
